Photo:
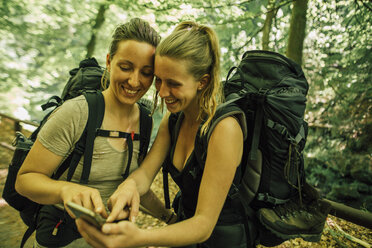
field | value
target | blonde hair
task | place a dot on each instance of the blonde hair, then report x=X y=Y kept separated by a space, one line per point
x=136 y=29
x=198 y=45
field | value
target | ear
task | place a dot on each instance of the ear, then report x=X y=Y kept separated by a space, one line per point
x=204 y=81
x=108 y=62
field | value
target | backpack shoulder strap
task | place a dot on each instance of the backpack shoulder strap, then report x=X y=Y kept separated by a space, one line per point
x=172 y=128
x=96 y=108
x=145 y=131
x=224 y=110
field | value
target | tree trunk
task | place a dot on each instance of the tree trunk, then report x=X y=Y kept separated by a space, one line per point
x=270 y=14
x=297 y=31
x=100 y=19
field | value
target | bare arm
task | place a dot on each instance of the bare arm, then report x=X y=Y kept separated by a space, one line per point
x=155 y=207
x=139 y=181
x=224 y=155
x=39 y=166
x=145 y=174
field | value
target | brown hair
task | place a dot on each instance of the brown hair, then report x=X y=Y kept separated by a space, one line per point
x=136 y=29
x=197 y=44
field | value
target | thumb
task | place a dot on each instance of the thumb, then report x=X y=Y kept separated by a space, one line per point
x=115 y=228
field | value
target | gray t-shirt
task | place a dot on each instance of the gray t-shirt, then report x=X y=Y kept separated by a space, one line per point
x=64 y=128
x=60 y=134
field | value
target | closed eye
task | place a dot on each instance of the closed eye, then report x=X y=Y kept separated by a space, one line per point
x=147 y=74
x=125 y=68
x=173 y=84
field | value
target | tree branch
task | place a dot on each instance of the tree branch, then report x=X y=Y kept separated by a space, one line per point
x=249 y=41
x=100 y=19
x=257 y=15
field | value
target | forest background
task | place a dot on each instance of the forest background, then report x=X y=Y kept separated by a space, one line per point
x=42 y=40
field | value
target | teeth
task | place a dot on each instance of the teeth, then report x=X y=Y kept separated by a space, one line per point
x=170 y=101
x=131 y=91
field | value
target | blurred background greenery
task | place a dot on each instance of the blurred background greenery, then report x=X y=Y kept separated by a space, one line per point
x=42 y=40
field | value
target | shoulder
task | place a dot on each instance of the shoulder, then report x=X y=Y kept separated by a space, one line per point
x=226 y=142
x=72 y=107
x=64 y=126
x=228 y=119
x=228 y=126
x=78 y=103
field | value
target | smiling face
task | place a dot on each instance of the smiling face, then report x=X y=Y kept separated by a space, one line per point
x=131 y=70
x=176 y=85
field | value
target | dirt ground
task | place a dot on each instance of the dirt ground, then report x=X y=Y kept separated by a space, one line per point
x=12 y=227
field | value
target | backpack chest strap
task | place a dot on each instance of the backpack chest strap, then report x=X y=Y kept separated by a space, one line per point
x=117 y=134
x=130 y=137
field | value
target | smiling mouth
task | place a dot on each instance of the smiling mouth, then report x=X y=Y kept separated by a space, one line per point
x=170 y=101
x=130 y=92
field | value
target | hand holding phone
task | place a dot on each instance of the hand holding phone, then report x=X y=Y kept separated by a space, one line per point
x=86 y=214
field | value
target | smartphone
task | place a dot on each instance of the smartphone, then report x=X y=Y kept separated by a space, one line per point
x=86 y=214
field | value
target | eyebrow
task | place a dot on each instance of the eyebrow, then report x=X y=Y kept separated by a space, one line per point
x=169 y=80
x=129 y=62
x=125 y=61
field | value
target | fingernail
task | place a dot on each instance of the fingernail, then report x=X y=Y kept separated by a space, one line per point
x=133 y=219
x=98 y=209
x=106 y=228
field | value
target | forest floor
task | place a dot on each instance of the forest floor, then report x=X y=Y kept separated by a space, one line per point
x=336 y=233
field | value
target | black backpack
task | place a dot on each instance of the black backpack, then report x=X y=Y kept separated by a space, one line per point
x=271 y=91
x=86 y=80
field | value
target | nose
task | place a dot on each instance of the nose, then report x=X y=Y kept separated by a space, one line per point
x=134 y=79
x=164 y=90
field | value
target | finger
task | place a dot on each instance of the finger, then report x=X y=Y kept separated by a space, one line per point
x=68 y=210
x=134 y=209
x=123 y=215
x=77 y=199
x=115 y=228
x=91 y=234
x=102 y=211
x=98 y=205
x=116 y=209
x=86 y=201
x=70 y=213
x=109 y=204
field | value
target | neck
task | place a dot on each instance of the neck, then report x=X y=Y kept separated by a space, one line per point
x=191 y=118
x=191 y=114
x=116 y=108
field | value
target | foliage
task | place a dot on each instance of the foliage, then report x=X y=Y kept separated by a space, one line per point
x=338 y=59
x=42 y=40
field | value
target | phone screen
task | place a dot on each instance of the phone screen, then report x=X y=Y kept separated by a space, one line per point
x=86 y=214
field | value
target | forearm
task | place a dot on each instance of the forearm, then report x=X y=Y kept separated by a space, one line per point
x=145 y=174
x=141 y=180
x=155 y=207
x=198 y=229
x=40 y=188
